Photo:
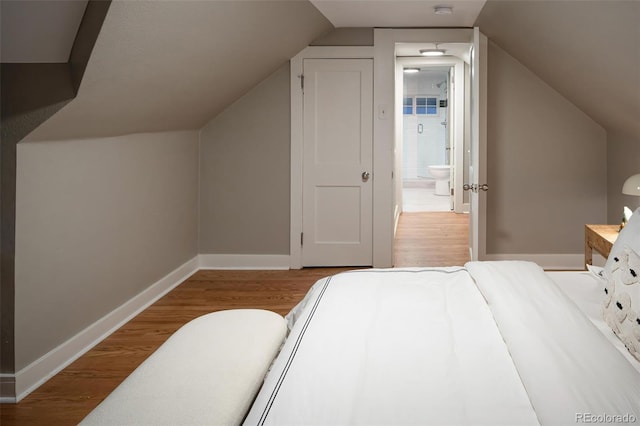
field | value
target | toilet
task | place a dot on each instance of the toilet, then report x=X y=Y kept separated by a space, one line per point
x=441 y=175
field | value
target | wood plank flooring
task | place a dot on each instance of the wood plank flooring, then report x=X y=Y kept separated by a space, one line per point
x=423 y=239
x=432 y=239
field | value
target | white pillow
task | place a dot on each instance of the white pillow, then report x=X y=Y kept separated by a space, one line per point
x=621 y=307
x=629 y=237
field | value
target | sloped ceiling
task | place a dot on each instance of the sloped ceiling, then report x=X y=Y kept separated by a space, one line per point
x=172 y=65
x=152 y=72
x=589 y=51
x=39 y=31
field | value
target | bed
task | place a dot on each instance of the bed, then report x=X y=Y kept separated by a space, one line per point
x=488 y=343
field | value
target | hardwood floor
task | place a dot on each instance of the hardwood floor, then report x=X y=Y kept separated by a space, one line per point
x=423 y=239
x=432 y=239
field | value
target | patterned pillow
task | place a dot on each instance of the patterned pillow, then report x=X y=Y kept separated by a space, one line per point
x=621 y=307
x=629 y=237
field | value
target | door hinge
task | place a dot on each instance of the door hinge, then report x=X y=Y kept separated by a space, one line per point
x=302 y=238
x=452 y=192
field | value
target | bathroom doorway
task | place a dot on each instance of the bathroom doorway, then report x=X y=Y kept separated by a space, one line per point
x=432 y=97
x=427 y=160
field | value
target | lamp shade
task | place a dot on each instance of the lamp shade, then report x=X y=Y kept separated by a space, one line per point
x=632 y=185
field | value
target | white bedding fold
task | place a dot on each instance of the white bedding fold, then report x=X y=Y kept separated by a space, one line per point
x=570 y=371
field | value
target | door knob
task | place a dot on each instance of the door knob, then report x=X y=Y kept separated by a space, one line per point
x=365 y=176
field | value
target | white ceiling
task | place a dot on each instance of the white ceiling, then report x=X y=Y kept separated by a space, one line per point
x=39 y=31
x=398 y=13
x=404 y=14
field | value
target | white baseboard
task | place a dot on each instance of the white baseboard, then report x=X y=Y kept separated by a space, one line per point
x=7 y=388
x=41 y=370
x=244 y=261
x=546 y=261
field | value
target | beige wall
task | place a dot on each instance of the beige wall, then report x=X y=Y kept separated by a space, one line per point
x=547 y=167
x=98 y=221
x=244 y=173
x=623 y=160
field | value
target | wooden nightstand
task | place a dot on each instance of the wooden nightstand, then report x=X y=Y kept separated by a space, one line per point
x=600 y=238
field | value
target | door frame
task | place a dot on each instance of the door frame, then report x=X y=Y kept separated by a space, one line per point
x=385 y=130
x=478 y=147
x=297 y=136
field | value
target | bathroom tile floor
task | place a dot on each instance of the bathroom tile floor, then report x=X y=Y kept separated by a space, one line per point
x=419 y=196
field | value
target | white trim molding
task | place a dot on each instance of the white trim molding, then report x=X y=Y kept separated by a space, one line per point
x=551 y=262
x=7 y=388
x=244 y=261
x=51 y=363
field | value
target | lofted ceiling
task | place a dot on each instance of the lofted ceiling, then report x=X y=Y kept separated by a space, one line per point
x=173 y=65
x=39 y=31
x=588 y=51
x=167 y=65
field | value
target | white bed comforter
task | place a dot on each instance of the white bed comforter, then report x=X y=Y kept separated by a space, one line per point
x=421 y=347
x=570 y=370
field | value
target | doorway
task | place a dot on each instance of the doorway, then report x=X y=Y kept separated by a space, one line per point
x=432 y=110
x=439 y=231
x=426 y=143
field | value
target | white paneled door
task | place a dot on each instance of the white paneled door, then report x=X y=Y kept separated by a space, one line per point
x=337 y=165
